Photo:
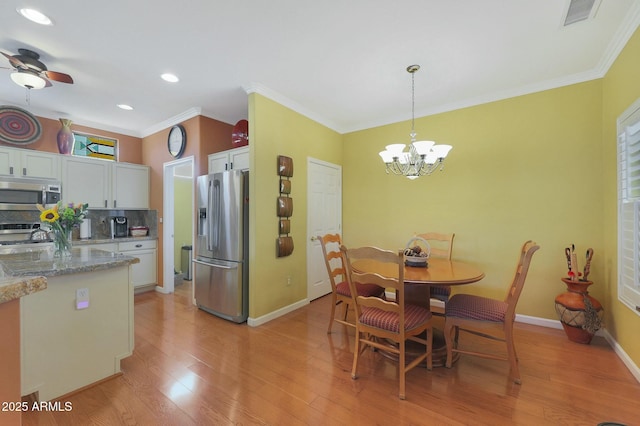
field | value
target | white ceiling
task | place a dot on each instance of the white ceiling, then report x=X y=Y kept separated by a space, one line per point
x=341 y=63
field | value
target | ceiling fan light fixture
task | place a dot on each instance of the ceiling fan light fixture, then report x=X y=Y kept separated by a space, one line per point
x=35 y=16
x=171 y=78
x=28 y=80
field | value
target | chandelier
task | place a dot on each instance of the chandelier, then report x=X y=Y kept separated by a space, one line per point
x=423 y=157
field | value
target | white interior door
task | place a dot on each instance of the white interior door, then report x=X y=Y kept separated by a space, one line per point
x=324 y=217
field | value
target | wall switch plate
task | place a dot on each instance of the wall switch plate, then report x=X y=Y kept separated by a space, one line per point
x=82 y=298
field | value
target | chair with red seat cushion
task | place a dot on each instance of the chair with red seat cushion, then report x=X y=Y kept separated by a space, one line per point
x=340 y=292
x=379 y=321
x=488 y=317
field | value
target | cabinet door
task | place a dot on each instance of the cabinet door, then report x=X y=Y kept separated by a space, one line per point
x=218 y=162
x=86 y=181
x=239 y=158
x=7 y=160
x=130 y=186
x=143 y=273
x=40 y=164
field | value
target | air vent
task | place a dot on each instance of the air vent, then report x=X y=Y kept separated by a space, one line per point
x=580 y=10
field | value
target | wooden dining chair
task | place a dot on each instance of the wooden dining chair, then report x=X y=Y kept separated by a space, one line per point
x=340 y=292
x=378 y=321
x=441 y=246
x=490 y=318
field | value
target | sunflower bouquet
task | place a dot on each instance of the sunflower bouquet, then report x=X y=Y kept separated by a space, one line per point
x=61 y=218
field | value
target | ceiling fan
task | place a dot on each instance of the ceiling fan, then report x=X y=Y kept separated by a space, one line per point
x=31 y=73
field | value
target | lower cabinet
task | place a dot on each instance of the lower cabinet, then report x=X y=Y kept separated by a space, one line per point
x=144 y=273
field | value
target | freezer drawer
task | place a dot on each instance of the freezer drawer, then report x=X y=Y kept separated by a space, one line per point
x=220 y=289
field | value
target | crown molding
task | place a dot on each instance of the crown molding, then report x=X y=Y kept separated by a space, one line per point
x=176 y=119
x=620 y=39
x=291 y=104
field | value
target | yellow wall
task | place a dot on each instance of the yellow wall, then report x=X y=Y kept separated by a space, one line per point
x=523 y=168
x=276 y=130
x=183 y=218
x=621 y=89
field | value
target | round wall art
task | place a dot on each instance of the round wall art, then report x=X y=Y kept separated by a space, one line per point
x=18 y=126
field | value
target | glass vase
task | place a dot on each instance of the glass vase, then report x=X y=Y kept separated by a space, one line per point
x=62 y=243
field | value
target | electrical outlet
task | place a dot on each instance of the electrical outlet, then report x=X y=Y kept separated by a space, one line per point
x=289 y=281
x=82 y=298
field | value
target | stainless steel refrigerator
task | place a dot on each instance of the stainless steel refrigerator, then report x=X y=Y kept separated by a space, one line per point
x=221 y=267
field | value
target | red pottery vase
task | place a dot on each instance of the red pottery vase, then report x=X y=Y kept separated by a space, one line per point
x=579 y=313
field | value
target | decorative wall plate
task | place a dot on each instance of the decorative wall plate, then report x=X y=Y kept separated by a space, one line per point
x=285 y=207
x=17 y=126
x=285 y=166
x=240 y=134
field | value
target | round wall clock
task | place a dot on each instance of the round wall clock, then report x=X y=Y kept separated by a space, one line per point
x=177 y=140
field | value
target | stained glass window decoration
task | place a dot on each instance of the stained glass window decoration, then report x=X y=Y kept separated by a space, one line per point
x=92 y=146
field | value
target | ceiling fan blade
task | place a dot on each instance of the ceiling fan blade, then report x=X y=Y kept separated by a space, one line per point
x=58 y=76
x=17 y=63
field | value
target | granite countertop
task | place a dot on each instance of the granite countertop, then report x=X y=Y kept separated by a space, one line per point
x=41 y=262
x=83 y=242
x=14 y=288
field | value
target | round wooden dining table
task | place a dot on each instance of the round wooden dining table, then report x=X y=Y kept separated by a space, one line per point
x=438 y=272
x=418 y=282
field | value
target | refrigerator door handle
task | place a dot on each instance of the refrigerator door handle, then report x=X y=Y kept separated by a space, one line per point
x=214 y=264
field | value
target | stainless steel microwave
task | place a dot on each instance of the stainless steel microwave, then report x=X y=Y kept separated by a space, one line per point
x=23 y=193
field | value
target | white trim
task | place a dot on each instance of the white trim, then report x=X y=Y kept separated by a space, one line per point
x=291 y=104
x=168 y=221
x=169 y=122
x=628 y=362
x=254 y=322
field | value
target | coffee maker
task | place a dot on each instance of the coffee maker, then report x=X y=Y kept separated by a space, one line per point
x=119 y=227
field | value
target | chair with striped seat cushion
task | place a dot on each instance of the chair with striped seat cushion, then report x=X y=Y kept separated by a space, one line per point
x=379 y=321
x=340 y=292
x=488 y=317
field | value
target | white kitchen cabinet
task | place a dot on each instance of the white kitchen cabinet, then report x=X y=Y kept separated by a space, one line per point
x=27 y=162
x=86 y=181
x=145 y=272
x=233 y=159
x=105 y=185
x=130 y=186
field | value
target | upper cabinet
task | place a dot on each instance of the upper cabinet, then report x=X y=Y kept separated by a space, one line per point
x=105 y=185
x=130 y=186
x=26 y=162
x=233 y=159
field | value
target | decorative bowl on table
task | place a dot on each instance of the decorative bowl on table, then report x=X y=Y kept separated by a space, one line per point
x=417 y=252
x=139 y=231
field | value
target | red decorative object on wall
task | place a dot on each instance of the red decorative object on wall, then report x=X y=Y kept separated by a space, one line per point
x=240 y=134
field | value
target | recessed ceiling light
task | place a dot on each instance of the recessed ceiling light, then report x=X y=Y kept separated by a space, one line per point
x=35 y=16
x=125 y=107
x=170 y=78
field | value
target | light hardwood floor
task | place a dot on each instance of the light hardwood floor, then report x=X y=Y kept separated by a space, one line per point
x=190 y=367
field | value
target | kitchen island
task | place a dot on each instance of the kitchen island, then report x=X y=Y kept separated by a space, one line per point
x=75 y=332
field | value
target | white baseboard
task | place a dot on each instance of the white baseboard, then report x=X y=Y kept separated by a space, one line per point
x=254 y=322
x=162 y=290
x=628 y=362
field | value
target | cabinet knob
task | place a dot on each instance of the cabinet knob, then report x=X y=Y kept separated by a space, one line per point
x=10 y=170
x=24 y=171
x=138 y=245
